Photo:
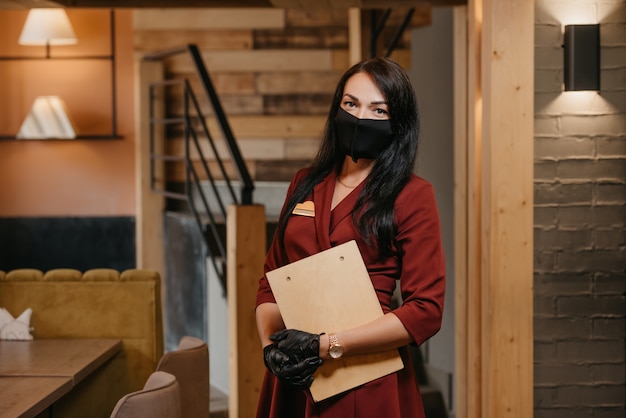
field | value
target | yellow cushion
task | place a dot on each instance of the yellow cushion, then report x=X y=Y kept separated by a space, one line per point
x=24 y=275
x=95 y=275
x=63 y=275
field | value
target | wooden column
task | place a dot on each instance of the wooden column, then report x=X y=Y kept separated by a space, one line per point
x=461 y=203
x=245 y=242
x=494 y=218
x=149 y=205
x=355 y=36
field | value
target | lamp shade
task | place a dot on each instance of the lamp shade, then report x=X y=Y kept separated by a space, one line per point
x=47 y=27
x=47 y=119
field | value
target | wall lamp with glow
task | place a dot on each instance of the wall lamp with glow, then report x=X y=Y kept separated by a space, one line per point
x=581 y=52
x=48 y=116
x=47 y=27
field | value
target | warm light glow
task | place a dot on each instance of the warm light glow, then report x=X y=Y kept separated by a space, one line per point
x=573 y=102
x=47 y=119
x=47 y=27
x=583 y=95
x=577 y=103
x=576 y=17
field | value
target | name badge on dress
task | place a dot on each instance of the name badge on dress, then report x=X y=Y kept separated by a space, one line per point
x=305 y=209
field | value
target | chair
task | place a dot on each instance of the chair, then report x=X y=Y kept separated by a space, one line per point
x=159 y=398
x=190 y=364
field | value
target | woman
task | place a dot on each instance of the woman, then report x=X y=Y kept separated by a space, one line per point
x=363 y=188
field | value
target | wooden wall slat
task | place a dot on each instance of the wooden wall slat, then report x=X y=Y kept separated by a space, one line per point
x=297 y=104
x=259 y=60
x=266 y=82
x=279 y=170
x=338 y=16
x=340 y=59
x=176 y=171
x=261 y=170
x=316 y=18
x=285 y=104
x=300 y=38
x=246 y=127
x=255 y=149
x=422 y=15
x=225 y=83
x=232 y=105
x=301 y=149
x=295 y=82
x=273 y=126
x=226 y=39
x=206 y=19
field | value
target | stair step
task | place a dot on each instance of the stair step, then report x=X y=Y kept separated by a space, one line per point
x=218 y=407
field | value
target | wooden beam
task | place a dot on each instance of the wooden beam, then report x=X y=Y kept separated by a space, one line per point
x=461 y=222
x=150 y=206
x=208 y=19
x=154 y=4
x=25 y=4
x=362 y=4
x=355 y=37
x=494 y=175
x=507 y=55
x=287 y=4
x=245 y=243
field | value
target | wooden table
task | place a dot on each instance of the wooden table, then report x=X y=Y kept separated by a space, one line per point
x=27 y=397
x=34 y=374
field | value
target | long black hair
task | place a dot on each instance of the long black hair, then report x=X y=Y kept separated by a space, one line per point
x=373 y=214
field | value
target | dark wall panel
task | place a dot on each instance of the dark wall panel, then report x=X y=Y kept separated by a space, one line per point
x=185 y=283
x=80 y=243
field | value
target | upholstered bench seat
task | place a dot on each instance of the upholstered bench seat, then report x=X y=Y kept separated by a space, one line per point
x=99 y=303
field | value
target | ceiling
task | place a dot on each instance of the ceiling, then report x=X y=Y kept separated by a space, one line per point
x=288 y=4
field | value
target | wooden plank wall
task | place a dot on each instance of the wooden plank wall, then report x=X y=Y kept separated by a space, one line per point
x=275 y=71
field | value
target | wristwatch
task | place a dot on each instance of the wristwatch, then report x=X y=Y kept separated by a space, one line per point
x=335 y=350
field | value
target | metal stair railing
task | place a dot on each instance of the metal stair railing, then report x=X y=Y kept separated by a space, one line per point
x=377 y=26
x=195 y=129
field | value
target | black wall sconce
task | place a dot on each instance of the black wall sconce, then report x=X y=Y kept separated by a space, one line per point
x=581 y=45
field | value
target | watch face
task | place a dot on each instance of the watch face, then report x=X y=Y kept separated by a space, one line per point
x=336 y=351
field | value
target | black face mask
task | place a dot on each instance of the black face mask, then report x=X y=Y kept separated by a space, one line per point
x=362 y=138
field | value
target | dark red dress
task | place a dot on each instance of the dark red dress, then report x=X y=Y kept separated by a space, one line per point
x=418 y=264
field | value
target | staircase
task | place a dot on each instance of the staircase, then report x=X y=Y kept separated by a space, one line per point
x=208 y=213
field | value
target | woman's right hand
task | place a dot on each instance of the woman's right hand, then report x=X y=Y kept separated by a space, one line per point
x=290 y=370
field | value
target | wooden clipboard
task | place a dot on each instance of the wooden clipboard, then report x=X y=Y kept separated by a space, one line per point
x=328 y=292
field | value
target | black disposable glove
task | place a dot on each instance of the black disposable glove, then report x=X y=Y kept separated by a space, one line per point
x=298 y=344
x=298 y=373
